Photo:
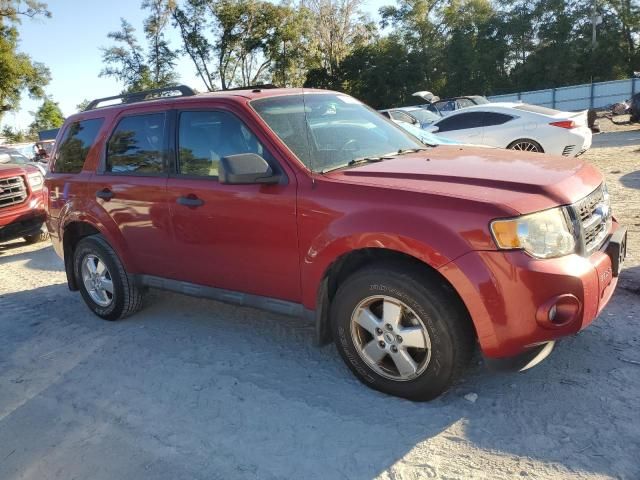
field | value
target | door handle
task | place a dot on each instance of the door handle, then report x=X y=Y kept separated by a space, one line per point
x=104 y=194
x=190 y=201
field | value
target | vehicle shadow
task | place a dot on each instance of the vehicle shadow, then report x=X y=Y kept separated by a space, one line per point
x=631 y=180
x=196 y=388
x=38 y=257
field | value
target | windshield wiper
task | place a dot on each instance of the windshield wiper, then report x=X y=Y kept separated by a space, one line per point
x=411 y=150
x=386 y=156
x=355 y=161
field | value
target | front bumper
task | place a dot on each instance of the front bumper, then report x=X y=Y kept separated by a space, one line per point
x=28 y=224
x=510 y=295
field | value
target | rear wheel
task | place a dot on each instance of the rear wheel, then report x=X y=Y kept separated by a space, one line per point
x=526 y=145
x=401 y=332
x=107 y=289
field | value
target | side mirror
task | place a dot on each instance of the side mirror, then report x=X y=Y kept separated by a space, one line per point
x=431 y=129
x=244 y=169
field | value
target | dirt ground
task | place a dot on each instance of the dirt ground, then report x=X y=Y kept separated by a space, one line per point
x=195 y=389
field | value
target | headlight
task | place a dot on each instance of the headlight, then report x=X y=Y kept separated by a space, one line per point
x=35 y=181
x=546 y=234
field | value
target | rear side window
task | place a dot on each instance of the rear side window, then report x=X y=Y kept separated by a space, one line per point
x=75 y=145
x=493 y=118
x=138 y=145
x=461 y=121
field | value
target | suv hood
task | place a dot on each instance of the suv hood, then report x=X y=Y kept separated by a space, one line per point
x=11 y=169
x=523 y=182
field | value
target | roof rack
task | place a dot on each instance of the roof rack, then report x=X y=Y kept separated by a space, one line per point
x=144 y=95
x=264 y=86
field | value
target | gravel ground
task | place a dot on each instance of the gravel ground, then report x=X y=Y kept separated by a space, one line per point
x=195 y=389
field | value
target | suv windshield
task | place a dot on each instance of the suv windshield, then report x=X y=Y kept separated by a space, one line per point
x=11 y=156
x=328 y=130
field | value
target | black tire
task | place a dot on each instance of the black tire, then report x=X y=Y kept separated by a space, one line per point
x=37 y=237
x=126 y=297
x=442 y=313
x=516 y=143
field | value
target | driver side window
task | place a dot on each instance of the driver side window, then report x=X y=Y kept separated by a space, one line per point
x=205 y=137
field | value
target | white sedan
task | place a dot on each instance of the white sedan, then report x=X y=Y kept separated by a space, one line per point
x=518 y=126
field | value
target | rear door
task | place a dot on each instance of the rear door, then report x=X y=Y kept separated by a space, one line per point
x=466 y=127
x=130 y=186
x=236 y=237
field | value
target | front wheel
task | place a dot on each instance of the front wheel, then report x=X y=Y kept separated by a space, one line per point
x=107 y=289
x=401 y=331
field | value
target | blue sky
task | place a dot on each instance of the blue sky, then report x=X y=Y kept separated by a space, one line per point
x=69 y=44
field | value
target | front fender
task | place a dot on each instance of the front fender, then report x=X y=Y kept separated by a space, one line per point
x=431 y=243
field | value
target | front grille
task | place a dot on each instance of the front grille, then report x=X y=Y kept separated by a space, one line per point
x=594 y=216
x=567 y=150
x=12 y=191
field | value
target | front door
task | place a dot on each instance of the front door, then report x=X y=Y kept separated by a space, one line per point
x=235 y=237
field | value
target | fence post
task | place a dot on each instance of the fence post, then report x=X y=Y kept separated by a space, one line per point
x=553 y=97
x=591 y=96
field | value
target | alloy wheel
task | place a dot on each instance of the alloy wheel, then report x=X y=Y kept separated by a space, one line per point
x=390 y=338
x=525 y=146
x=97 y=280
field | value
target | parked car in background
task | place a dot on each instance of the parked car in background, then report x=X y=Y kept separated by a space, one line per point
x=518 y=126
x=9 y=155
x=22 y=210
x=308 y=203
x=418 y=116
x=445 y=106
x=425 y=137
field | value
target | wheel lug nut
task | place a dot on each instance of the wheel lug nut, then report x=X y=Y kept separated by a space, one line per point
x=379 y=331
x=394 y=349
x=399 y=339
x=389 y=327
x=382 y=344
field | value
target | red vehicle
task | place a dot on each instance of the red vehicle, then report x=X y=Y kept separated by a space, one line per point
x=309 y=203
x=22 y=209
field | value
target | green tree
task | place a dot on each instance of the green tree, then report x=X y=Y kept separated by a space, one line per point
x=82 y=106
x=48 y=116
x=127 y=60
x=18 y=72
x=241 y=42
x=13 y=136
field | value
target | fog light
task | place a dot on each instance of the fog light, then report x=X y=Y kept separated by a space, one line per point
x=559 y=311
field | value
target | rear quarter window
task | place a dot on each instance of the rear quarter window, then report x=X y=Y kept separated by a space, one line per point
x=493 y=118
x=461 y=121
x=75 y=145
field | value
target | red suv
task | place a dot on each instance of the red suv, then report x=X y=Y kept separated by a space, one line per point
x=22 y=210
x=311 y=204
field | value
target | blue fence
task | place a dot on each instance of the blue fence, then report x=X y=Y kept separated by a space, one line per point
x=577 y=97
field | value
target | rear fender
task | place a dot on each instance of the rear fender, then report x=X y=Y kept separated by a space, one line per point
x=92 y=214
